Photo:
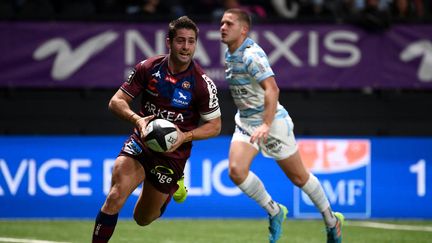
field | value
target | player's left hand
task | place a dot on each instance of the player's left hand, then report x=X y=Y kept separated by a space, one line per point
x=260 y=134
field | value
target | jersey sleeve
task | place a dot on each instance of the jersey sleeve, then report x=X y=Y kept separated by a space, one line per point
x=208 y=103
x=257 y=63
x=136 y=80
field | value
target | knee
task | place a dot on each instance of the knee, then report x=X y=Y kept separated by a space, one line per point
x=237 y=173
x=143 y=220
x=113 y=202
x=299 y=180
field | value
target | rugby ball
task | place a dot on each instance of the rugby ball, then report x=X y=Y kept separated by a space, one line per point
x=160 y=135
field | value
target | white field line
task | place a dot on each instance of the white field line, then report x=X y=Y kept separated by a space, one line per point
x=16 y=240
x=377 y=225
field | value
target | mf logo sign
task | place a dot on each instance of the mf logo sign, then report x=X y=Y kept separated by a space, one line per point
x=343 y=168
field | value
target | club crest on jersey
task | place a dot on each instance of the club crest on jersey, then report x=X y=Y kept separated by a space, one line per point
x=186 y=85
x=181 y=98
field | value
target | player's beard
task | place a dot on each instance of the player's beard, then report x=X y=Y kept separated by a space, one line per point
x=181 y=61
x=184 y=59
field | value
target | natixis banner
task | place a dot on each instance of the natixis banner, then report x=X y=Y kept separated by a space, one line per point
x=303 y=56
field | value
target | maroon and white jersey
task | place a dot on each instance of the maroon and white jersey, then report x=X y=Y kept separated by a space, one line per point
x=183 y=98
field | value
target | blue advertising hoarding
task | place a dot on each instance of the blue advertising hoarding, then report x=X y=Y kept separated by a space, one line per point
x=69 y=177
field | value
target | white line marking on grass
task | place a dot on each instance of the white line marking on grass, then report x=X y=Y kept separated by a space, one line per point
x=15 y=240
x=390 y=226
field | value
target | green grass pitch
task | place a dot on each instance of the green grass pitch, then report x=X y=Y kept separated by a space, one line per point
x=209 y=231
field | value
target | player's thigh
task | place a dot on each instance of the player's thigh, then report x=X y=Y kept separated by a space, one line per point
x=127 y=174
x=150 y=202
x=241 y=154
x=294 y=169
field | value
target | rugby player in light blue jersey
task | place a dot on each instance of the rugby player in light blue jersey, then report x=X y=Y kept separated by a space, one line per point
x=263 y=124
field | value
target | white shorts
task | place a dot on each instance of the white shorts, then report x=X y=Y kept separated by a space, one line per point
x=281 y=141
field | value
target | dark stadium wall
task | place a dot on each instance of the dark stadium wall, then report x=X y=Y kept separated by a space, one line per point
x=315 y=113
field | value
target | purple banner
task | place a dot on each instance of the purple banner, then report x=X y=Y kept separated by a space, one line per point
x=52 y=54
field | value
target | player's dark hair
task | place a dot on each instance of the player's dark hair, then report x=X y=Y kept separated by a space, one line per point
x=184 y=22
x=243 y=15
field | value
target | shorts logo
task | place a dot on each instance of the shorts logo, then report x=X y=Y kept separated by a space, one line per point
x=273 y=145
x=181 y=98
x=164 y=170
x=132 y=147
x=161 y=172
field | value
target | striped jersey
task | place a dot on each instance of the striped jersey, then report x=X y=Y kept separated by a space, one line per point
x=244 y=70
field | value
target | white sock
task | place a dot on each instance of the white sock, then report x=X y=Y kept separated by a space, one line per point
x=254 y=188
x=314 y=190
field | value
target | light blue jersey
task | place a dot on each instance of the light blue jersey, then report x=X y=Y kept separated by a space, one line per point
x=244 y=70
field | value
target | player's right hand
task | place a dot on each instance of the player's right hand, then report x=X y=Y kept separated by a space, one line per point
x=142 y=124
x=260 y=134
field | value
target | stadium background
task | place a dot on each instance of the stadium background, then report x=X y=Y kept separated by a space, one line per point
x=76 y=119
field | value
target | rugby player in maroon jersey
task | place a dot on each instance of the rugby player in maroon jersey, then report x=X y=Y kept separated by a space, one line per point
x=172 y=87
